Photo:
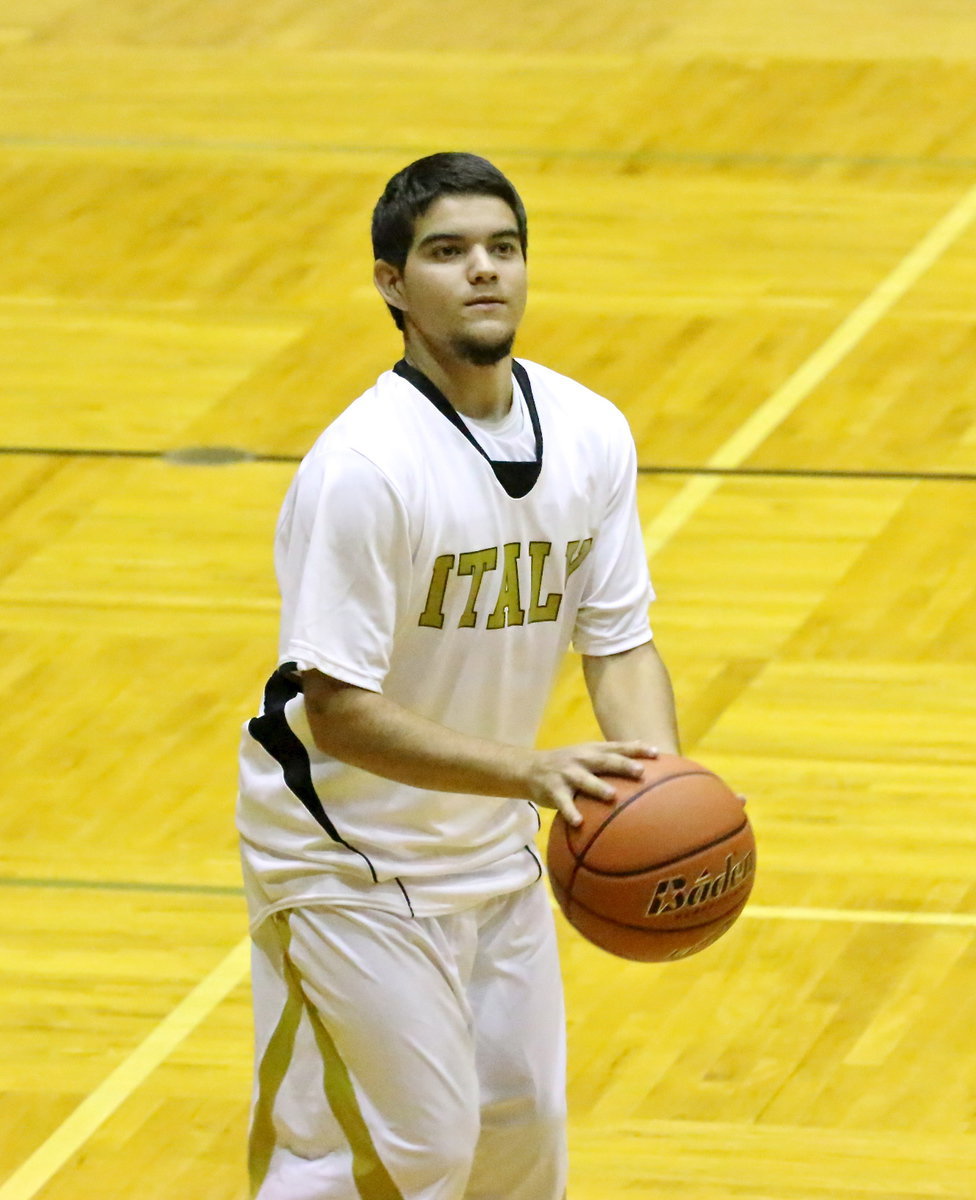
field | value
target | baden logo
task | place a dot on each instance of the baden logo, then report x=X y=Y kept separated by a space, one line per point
x=674 y=893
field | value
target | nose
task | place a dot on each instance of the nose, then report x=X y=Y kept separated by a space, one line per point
x=481 y=266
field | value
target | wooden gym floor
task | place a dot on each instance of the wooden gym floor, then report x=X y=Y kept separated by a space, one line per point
x=754 y=227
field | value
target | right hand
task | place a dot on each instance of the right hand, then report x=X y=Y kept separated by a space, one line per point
x=553 y=777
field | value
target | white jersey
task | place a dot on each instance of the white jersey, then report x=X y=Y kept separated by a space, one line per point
x=411 y=564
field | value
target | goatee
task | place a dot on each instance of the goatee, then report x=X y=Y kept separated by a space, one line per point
x=483 y=354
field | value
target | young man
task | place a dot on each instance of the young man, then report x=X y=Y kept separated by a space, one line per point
x=442 y=544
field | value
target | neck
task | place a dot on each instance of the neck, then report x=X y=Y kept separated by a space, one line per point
x=478 y=392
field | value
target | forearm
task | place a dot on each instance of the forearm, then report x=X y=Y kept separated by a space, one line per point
x=367 y=730
x=632 y=697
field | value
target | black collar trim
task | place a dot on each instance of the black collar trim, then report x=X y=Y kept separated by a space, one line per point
x=517 y=478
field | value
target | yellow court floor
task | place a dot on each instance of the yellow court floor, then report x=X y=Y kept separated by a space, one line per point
x=753 y=226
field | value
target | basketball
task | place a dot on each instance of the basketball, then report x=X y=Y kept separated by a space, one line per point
x=661 y=872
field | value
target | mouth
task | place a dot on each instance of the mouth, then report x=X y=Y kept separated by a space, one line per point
x=485 y=302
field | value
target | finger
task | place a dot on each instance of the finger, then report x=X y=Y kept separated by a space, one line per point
x=628 y=767
x=568 y=810
x=591 y=785
x=636 y=749
x=615 y=764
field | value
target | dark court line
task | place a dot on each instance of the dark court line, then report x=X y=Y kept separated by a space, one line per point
x=218 y=456
x=76 y=452
x=758 y=911
x=123 y=885
x=625 y=158
x=815 y=473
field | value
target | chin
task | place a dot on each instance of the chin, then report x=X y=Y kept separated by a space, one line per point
x=484 y=351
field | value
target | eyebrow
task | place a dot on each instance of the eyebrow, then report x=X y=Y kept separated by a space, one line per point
x=460 y=237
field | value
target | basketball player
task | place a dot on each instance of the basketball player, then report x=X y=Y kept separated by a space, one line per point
x=445 y=540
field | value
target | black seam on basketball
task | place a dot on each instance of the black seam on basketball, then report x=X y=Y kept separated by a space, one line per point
x=614 y=813
x=576 y=861
x=662 y=865
x=654 y=929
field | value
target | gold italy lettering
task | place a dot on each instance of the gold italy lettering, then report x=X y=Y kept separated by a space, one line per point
x=475 y=563
x=538 y=553
x=576 y=552
x=508 y=609
x=433 y=614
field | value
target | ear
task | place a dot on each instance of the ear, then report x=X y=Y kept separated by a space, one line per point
x=389 y=283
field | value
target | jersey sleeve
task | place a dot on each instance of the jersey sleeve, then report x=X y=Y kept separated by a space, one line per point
x=344 y=563
x=617 y=590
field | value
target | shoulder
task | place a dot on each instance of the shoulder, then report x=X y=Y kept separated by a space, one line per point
x=572 y=412
x=376 y=418
x=571 y=399
x=378 y=430
x=372 y=451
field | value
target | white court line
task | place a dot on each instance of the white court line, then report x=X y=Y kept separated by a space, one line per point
x=787 y=398
x=28 y=1180
x=858 y=916
x=844 y=916
x=97 y=1107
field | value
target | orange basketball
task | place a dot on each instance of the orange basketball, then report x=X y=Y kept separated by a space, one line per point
x=660 y=873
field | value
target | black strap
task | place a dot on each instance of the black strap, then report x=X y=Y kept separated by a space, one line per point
x=517 y=478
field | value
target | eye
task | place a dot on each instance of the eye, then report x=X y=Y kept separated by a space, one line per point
x=445 y=251
x=506 y=249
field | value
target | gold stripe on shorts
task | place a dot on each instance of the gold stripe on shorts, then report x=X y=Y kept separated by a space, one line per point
x=371 y=1177
x=271 y=1073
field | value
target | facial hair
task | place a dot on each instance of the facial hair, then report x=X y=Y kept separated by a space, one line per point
x=483 y=354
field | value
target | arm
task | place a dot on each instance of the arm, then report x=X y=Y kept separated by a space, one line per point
x=367 y=730
x=632 y=697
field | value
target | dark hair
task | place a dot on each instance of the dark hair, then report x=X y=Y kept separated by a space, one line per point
x=413 y=190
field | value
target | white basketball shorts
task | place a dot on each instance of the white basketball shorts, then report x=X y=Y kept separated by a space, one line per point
x=404 y=1058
